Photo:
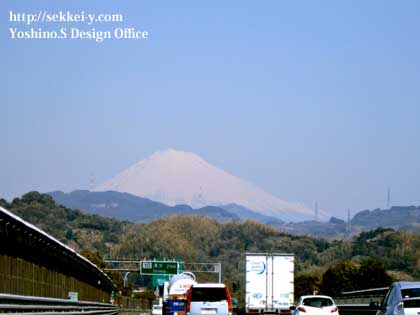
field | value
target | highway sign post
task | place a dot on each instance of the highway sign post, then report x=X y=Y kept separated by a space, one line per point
x=158 y=267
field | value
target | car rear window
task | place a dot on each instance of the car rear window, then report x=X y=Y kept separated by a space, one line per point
x=317 y=302
x=410 y=293
x=208 y=294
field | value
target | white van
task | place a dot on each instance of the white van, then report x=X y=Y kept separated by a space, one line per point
x=208 y=299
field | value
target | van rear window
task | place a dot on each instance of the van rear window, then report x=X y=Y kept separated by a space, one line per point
x=208 y=294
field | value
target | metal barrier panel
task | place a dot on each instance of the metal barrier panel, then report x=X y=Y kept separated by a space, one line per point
x=36 y=264
x=18 y=276
x=361 y=309
x=28 y=305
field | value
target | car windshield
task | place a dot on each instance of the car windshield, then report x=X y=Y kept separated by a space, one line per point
x=208 y=294
x=317 y=302
x=410 y=293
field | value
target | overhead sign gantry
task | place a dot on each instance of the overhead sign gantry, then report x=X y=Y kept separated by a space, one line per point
x=148 y=267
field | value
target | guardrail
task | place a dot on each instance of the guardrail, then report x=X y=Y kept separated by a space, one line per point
x=31 y=305
x=361 y=302
x=357 y=309
x=357 y=305
x=134 y=311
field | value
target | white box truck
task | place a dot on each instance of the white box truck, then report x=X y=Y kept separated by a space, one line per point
x=269 y=283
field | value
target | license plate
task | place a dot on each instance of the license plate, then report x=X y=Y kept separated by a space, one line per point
x=208 y=312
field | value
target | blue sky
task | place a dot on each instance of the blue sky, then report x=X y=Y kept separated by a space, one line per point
x=310 y=100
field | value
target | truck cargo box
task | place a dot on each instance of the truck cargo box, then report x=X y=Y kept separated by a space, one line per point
x=269 y=283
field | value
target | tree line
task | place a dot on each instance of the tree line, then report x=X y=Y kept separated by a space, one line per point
x=372 y=259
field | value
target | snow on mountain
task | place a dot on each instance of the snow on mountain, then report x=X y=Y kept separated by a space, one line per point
x=177 y=177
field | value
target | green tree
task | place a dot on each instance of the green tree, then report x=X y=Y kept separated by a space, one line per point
x=339 y=278
x=37 y=197
x=372 y=274
x=307 y=284
x=94 y=257
x=4 y=203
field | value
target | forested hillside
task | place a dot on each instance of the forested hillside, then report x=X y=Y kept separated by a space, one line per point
x=326 y=266
x=124 y=206
x=72 y=227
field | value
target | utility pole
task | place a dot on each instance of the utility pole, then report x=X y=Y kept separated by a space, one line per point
x=91 y=182
x=348 y=222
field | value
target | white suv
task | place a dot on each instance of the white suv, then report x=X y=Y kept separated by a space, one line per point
x=208 y=299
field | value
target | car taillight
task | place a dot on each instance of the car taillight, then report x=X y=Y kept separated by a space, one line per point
x=334 y=309
x=188 y=302
x=229 y=300
x=301 y=309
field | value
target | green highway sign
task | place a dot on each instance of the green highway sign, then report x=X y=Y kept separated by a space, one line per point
x=158 y=280
x=158 y=267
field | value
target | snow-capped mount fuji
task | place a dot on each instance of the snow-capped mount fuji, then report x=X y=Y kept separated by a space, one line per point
x=177 y=177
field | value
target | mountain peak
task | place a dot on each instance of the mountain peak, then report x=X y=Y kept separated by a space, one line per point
x=179 y=177
x=172 y=155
